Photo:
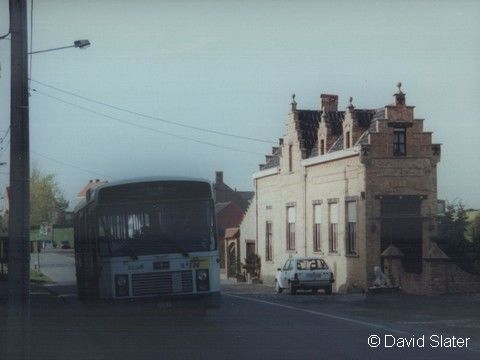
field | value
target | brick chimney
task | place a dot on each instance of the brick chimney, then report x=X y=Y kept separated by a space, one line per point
x=219 y=177
x=328 y=102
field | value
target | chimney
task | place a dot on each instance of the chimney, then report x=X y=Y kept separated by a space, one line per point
x=219 y=177
x=328 y=102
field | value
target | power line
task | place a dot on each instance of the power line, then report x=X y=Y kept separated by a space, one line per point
x=10 y=25
x=31 y=38
x=4 y=136
x=150 y=116
x=144 y=127
x=4 y=148
x=70 y=165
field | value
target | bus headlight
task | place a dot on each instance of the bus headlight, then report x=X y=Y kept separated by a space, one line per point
x=203 y=281
x=121 y=285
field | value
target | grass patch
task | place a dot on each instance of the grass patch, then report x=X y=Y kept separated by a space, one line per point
x=37 y=277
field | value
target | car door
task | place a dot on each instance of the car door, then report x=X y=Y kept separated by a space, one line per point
x=283 y=280
x=287 y=274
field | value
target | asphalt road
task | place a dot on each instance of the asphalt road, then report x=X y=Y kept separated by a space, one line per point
x=252 y=323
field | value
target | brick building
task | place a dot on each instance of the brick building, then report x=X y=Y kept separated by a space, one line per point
x=357 y=187
x=230 y=208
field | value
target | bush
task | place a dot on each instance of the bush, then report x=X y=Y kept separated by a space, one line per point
x=253 y=265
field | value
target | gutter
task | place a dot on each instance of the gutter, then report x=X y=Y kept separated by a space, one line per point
x=341 y=154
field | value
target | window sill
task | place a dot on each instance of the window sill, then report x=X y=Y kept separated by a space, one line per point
x=334 y=254
x=352 y=255
x=319 y=252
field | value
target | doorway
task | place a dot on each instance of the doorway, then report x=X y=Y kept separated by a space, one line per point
x=401 y=226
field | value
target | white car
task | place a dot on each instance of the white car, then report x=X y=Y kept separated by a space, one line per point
x=309 y=273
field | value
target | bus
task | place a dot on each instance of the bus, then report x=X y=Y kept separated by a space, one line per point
x=150 y=237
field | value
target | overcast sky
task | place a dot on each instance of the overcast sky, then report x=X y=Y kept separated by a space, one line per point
x=232 y=67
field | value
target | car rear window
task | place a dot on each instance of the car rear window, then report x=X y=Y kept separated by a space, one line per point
x=311 y=264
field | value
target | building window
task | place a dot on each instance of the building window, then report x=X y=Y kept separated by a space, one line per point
x=347 y=140
x=249 y=248
x=322 y=147
x=268 y=241
x=290 y=160
x=333 y=228
x=291 y=228
x=317 y=221
x=351 y=227
x=399 y=141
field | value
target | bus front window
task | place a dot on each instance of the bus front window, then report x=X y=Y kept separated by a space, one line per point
x=173 y=227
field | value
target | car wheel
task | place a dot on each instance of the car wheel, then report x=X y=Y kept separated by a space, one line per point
x=293 y=289
x=328 y=290
x=278 y=289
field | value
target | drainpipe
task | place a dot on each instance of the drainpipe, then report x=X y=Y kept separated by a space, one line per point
x=256 y=215
x=305 y=209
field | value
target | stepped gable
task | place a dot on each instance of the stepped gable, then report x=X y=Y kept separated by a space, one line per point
x=335 y=120
x=307 y=123
x=307 y=127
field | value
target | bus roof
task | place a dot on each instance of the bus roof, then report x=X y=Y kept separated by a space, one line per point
x=151 y=179
x=138 y=180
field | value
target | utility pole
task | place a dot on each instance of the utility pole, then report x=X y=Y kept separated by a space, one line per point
x=18 y=332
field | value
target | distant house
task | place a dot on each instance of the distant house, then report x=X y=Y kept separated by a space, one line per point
x=92 y=184
x=223 y=193
x=230 y=208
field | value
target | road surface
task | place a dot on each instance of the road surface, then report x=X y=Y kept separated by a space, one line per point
x=252 y=323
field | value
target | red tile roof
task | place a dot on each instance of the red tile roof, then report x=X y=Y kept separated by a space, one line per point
x=90 y=185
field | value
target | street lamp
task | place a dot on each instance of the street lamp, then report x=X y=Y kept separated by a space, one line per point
x=19 y=196
x=81 y=44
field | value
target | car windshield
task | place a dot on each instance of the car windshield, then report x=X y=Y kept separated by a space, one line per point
x=171 y=227
x=311 y=264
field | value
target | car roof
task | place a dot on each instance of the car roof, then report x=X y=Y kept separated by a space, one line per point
x=307 y=258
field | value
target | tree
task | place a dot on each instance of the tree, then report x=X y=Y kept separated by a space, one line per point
x=475 y=230
x=459 y=239
x=46 y=198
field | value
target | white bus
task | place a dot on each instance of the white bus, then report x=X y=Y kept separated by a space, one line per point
x=148 y=237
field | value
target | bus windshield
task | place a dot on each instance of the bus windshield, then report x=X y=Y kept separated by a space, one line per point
x=161 y=228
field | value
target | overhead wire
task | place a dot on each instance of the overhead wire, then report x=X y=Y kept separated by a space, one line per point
x=31 y=40
x=143 y=126
x=4 y=36
x=4 y=136
x=70 y=165
x=151 y=117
